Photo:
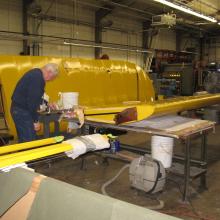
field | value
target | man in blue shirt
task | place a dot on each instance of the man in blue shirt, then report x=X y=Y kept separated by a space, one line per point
x=27 y=98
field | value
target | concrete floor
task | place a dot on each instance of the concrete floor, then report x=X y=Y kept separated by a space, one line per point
x=205 y=205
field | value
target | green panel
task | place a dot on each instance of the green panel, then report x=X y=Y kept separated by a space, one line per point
x=14 y=185
x=57 y=200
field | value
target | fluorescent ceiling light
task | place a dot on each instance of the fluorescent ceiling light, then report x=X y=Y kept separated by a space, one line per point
x=186 y=10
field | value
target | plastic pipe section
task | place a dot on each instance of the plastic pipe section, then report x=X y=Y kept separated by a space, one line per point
x=31 y=144
x=33 y=154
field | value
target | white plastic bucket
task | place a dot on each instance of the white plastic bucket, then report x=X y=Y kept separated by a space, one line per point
x=69 y=99
x=162 y=149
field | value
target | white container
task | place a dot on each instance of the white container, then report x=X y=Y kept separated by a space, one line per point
x=69 y=99
x=162 y=149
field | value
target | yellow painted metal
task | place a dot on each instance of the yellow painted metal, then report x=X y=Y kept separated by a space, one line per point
x=102 y=118
x=33 y=154
x=185 y=103
x=99 y=82
x=11 y=158
x=31 y=144
x=157 y=108
x=106 y=87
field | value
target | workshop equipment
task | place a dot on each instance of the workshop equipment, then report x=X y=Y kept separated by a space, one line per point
x=28 y=151
x=164 y=20
x=212 y=82
x=182 y=75
x=147 y=174
x=167 y=87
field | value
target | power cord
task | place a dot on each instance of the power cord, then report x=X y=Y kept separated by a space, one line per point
x=103 y=189
x=113 y=179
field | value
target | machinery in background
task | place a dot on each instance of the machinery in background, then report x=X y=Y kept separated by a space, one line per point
x=175 y=79
x=164 y=20
x=147 y=174
x=212 y=85
x=212 y=78
x=167 y=87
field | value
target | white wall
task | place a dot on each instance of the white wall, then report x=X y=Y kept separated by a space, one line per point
x=165 y=39
x=128 y=38
x=10 y=20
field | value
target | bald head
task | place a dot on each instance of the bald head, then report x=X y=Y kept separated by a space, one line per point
x=50 y=71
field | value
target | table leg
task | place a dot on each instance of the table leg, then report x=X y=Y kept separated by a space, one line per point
x=56 y=127
x=83 y=163
x=203 y=185
x=46 y=129
x=186 y=170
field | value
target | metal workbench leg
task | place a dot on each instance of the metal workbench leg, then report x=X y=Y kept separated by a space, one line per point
x=56 y=128
x=186 y=170
x=83 y=163
x=46 y=129
x=203 y=185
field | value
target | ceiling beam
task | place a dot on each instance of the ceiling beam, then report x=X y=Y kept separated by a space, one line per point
x=99 y=15
x=25 y=5
x=145 y=38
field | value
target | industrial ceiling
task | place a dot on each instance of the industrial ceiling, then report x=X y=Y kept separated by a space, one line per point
x=143 y=10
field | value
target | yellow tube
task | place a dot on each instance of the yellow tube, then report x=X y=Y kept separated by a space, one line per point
x=29 y=155
x=92 y=111
x=185 y=103
x=31 y=144
x=146 y=110
x=176 y=105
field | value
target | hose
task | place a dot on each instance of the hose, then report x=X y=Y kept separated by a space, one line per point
x=113 y=179
x=103 y=189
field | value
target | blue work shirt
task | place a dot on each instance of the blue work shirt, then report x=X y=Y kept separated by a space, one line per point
x=29 y=91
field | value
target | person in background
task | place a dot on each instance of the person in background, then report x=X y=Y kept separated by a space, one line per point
x=104 y=57
x=27 y=98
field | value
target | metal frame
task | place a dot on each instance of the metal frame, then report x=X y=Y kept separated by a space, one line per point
x=187 y=138
x=46 y=119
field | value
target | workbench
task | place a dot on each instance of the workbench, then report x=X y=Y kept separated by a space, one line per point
x=181 y=128
x=46 y=119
